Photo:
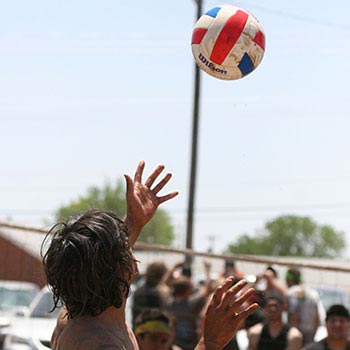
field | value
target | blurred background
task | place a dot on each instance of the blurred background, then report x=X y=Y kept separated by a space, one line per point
x=88 y=89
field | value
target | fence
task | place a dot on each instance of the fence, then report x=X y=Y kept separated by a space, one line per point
x=322 y=273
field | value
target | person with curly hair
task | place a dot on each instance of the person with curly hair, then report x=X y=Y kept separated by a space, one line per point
x=89 y=265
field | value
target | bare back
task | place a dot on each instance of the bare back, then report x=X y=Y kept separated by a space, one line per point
x=92 y=334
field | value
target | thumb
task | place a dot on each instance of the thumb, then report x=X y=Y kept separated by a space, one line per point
x=129 y=184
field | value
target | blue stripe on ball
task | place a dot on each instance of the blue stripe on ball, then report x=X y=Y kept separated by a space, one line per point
x=213 y=12
x=246 y=65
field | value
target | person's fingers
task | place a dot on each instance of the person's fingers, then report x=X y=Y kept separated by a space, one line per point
x=129 y=183
x=154 y=175
x=139 y=172
x=219 y=291
x=161 y=184
x=246 y=312
x=238 y=302
x=228 y=297
x=167 y=197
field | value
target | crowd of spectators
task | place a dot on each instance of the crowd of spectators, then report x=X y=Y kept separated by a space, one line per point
x=168 y=310
x=89 y=265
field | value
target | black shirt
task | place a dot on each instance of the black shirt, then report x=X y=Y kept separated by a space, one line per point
x=266 y=342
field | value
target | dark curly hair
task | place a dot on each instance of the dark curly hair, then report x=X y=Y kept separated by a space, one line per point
x=89 y=262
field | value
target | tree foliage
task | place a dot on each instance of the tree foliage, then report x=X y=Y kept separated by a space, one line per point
x=112 y=197
x=292 y=236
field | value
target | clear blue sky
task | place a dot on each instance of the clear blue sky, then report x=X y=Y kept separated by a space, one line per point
x=89 y=88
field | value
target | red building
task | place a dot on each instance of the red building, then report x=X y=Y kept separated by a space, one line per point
x=20 y=257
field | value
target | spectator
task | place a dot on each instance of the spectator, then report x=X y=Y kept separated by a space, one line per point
x=303 y=306
x=230 y=269
x=274 y=334
x=185 y=307
x=173 y=273
x=337 y=324
x=154 y=330
x=150 y=294
x=269 y=283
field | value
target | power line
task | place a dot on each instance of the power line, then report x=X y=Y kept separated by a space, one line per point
x=212 y=210
x=297 y=17
x=300 y=18
x=255 y=209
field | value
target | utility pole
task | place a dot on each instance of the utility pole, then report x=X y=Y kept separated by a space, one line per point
x=195 y=123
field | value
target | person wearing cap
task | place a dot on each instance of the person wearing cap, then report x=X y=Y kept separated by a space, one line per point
x=154 y=330
x=274 y=334
x=337 y=324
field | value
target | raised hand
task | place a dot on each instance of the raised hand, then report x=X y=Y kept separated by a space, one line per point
x=142 y=200
x=224 y=314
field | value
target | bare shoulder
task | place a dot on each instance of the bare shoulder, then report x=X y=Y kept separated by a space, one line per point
x=294 y=333
x=99 y=344
x=85 y=338
x=93 y=342
x=255 y=330
x=295 y=339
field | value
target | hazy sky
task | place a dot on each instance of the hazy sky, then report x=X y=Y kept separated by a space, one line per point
x=89 y=88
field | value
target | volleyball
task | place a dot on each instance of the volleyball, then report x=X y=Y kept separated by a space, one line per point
x=228 y=42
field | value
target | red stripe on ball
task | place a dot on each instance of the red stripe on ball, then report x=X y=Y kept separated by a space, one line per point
x=198 y=35
x=228 y=36
x=259 y=39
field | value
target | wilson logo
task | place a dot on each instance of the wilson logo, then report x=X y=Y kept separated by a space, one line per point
x=211 y=65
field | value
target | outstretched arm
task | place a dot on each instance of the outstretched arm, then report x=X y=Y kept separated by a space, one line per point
x=142 y=200
x=224 y=314
x=168 y=277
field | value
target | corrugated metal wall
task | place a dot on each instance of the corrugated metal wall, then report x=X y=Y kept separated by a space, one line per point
x=16 y=264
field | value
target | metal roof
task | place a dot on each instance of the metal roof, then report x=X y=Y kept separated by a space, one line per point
x=29 y=241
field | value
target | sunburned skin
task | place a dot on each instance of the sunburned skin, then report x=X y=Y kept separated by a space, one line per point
x=107 y=331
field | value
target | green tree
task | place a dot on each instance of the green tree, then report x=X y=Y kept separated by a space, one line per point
x=292 y=235
x=112 y=197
